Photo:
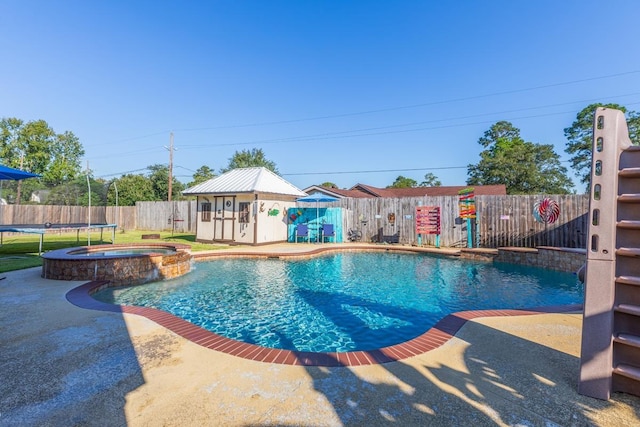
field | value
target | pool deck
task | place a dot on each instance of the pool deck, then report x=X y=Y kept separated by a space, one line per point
x=65 y=365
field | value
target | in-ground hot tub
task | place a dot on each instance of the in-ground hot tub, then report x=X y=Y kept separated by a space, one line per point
x=119 y=264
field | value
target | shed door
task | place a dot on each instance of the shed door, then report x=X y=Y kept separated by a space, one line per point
x=224 y=218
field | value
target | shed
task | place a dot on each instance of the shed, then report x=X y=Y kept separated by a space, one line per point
x=244 y=206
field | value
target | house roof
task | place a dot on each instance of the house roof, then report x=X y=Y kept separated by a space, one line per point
x=367 y=191
x=246 y=180
x=335 y=192
x=452 y=190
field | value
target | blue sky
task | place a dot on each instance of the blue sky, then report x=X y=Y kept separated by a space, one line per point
x=342 y=91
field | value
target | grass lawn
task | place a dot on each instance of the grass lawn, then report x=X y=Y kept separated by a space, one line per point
x=20 y=251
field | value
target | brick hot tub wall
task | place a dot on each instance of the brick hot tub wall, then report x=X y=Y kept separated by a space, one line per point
x=118 y=270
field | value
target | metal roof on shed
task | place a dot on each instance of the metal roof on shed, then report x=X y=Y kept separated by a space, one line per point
x=246 y=180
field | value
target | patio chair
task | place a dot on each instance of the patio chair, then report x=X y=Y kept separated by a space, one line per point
x=302 y=230
x=327 y=231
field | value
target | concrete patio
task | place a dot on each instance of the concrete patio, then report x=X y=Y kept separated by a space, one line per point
x=63 y=365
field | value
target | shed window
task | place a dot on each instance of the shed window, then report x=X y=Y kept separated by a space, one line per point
x=206 y=212
x=243 y=207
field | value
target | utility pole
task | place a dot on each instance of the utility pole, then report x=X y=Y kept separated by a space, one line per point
x=170 y=148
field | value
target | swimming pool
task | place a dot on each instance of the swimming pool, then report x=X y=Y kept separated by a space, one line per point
x=346 y=301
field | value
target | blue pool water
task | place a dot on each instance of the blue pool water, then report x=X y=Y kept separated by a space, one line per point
x=343 y=302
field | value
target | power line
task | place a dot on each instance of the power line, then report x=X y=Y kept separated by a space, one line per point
x=182 y=167
x=133 y=138
x=122 y=173
x=341 y=134
x=350 y=136
x=334 y=135
x=380 y=110
x=122 y=153
x=388 y=109
x=374 y=171
x=341 y=172
x=312 y=138
x=425 y=104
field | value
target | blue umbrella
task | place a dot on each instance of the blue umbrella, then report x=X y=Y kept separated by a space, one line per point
x=317 y=198
x=7 y=173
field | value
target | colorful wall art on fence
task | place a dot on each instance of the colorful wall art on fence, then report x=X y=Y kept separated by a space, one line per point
x=428 y=222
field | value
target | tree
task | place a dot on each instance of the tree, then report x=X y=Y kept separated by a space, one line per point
x=66 y=154
x=131 y=188
x=10 y=129
x=25 y=146
x=250 y=158
x=524 y=167
x=76 y=193
x=35 y=147
x=328 y=185
x=98 y=191
x=202 y=174
x=580 y=134
x=430 y=180
x=159 y=178
x=67 y=194
x=403 y=182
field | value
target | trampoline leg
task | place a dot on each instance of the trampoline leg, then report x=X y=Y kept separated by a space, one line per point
x=40 y=247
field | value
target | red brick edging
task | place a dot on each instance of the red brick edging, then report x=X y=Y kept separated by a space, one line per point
x=442 y=332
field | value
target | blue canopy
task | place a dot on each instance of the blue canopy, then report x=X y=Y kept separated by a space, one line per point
x=15 y=174
x=317 y=198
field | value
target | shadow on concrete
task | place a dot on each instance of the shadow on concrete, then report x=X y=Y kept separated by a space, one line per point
x=61 y=365
x=500 y=379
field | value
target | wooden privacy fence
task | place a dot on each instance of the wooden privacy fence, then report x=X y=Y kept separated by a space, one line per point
x=155 y=216
x=501 y=220
x=123 y=216
x=509 y=221
x=176 y=216
x=41 y=214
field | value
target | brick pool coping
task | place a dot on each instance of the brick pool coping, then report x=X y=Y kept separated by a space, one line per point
x=432 y=339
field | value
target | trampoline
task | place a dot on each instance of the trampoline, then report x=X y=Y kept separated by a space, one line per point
x=42 y=229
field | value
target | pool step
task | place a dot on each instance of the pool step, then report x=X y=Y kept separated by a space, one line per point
x=628 y=371
x=626 y=315
x=628 y=280
x=628 y=339
x=632 y=309
x=629 y=224
x=629 y=198
x=629 y=173
x=629 y=252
